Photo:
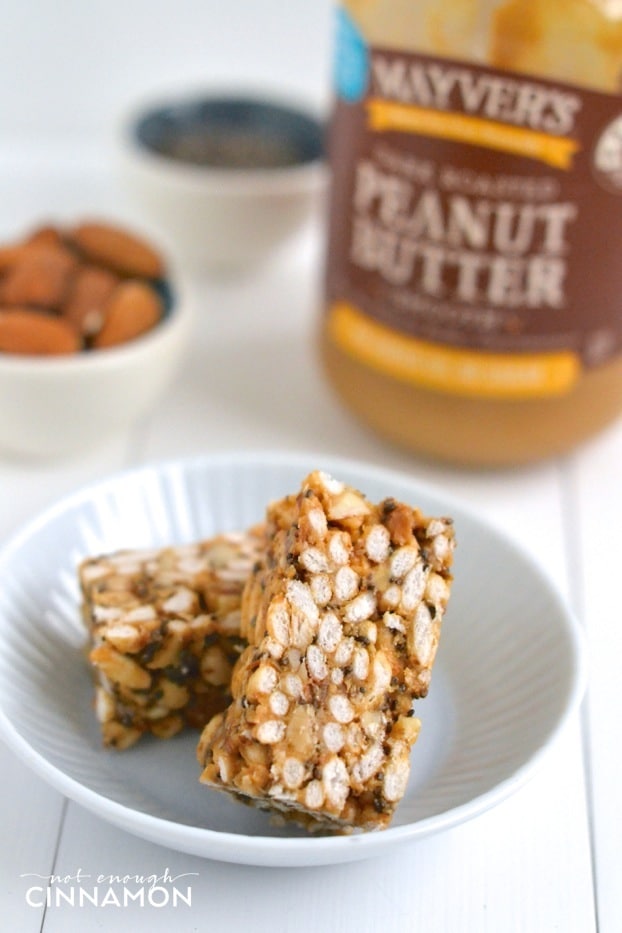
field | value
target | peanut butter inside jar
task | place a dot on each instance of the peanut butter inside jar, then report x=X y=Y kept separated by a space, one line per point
x=473 y=282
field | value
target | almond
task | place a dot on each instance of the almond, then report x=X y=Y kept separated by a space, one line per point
x=39 y=277
x=118 y=249
x=89 y=292
x=45 y=236
x=9 y=255
x=24 y=331
x=133 y=309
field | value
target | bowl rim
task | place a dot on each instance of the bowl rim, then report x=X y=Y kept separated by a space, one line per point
x=308 y=175
x=176 y=320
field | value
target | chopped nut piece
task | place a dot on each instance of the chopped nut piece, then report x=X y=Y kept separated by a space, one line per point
x=342 y=613
x=163 y=642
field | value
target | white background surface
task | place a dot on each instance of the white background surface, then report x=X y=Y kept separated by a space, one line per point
x=70 y=68
x=548 y=859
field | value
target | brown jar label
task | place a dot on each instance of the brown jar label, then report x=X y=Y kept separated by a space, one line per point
x=476 y=223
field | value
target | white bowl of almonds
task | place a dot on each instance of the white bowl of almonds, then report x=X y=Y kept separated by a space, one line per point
x=92 y=330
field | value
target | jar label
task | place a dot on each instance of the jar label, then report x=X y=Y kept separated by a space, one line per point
x=476 y=223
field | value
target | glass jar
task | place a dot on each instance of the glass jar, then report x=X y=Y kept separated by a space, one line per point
x=474 y=287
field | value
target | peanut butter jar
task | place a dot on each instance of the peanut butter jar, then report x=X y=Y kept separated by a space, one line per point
x=473 y=276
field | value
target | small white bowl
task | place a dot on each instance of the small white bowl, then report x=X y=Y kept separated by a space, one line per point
x=55 y=406
x=226 y=178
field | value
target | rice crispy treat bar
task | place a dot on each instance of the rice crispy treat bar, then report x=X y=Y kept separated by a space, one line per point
x=343 y=615
x=165 y=631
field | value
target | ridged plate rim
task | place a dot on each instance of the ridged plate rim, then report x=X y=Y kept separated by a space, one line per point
x=265 y=850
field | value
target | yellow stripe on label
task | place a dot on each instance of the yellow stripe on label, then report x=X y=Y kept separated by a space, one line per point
x=553 y=150
x=454 y=370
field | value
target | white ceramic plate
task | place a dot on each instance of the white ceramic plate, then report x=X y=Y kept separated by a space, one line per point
x=508 y=674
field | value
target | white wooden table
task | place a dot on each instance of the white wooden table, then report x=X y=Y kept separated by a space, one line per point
x=549 y=858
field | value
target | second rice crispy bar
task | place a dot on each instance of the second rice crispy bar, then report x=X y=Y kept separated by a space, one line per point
x=343 y=616
x=165 y=633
